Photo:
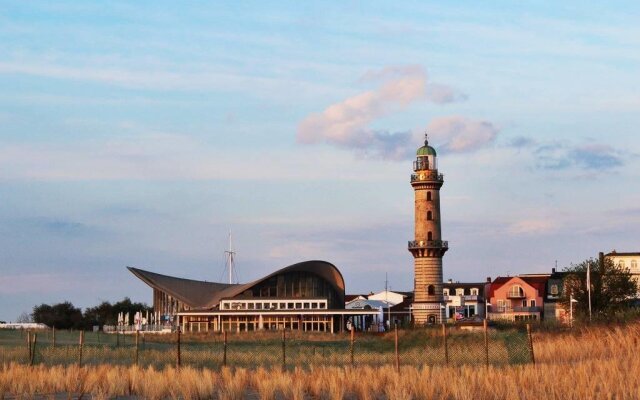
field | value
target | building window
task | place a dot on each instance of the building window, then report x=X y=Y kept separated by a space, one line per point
x=621 y=264
x=445 y=292
x=474 y=291
x=554 y=290
x=634 y=264
x=429 y=215
x=516 y=291
x=430 y=236
x=428 y=196
x=501 y=306
x=431 y=290
x=532 y=303
x=298 y=305
x=459 y=292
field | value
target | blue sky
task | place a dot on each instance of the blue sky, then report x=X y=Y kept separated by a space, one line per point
x=140 y=133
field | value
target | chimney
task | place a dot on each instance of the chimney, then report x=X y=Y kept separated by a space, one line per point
x=488 y=279
x=553 y=270
x=450 y=280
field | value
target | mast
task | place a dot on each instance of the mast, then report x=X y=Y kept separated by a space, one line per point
x=229 y=259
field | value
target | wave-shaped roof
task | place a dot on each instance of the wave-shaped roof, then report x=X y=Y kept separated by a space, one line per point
x=207 y=295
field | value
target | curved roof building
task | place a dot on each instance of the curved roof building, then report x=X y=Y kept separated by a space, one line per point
x=307 y=296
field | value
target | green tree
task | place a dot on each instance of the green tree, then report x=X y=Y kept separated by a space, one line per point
x=107 y=314
x=611 y=288
x=62 y=315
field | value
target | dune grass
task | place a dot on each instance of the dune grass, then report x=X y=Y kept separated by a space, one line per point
x=587 y=364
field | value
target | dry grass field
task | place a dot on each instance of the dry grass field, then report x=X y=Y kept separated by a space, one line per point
x=596 y=363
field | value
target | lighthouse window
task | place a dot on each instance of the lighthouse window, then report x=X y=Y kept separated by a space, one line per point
x=431 y=290
x=428 y=196
x=429 y=215
x=430 y=236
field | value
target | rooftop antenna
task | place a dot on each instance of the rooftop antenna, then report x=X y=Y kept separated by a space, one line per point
x=229 y=264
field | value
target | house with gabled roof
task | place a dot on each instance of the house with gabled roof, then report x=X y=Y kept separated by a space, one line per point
x=517 y=298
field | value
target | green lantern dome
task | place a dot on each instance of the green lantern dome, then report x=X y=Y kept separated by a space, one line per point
x=426 y=150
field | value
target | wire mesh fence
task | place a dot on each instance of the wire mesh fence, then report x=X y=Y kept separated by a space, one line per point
x=283 y=350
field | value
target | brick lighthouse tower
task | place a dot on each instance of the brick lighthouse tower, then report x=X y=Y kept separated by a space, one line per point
x=427 y=248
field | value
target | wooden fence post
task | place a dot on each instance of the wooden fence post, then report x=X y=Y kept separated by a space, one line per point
x=32 y=353
x=351 y=350
x=284 y=355
x=397 y=353
x=137 y=344
x=486 y=343
x=445 y=344
x=178 y=355
x=80 y=344
x=29 y=345
x=533 y=358
x=224 y=348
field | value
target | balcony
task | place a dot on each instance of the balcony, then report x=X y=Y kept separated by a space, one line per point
x=428 y=244
x=515 y=295
x=503 y=310
x=427 y=176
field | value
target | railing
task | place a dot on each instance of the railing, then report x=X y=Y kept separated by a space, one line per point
x=427 y=176
x=468 y=297
x=515 y=295
x=428 y=244
x=499 y=310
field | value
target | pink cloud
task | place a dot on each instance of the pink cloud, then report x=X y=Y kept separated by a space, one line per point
x=461 y=134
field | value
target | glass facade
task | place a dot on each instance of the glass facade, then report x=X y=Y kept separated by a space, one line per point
x=296 y=285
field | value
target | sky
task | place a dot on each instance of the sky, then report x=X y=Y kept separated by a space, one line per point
x=141 y=133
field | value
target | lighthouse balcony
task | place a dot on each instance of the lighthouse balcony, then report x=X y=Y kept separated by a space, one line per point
x=428 y=175
x=428 y=244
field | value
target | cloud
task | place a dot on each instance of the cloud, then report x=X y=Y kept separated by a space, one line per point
x=521 y=142
x=532 y=227
x=347 y=124
x=459 y=134
x=596 y=156
x=592 y=156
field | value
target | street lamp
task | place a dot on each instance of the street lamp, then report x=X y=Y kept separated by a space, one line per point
x=486 y=310
x=571 y=301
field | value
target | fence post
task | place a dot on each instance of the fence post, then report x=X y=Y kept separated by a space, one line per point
x=397 y=354
x=33 y=349
x=178 y=355
x=486 y=343
x=533 y=358
x=80 y=344
x=444 y=343
x=137 y=343
x=29 y=345
x=284 y=355
x=351 y=346
x=224 y=348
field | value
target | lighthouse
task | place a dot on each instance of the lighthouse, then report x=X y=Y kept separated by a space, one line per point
x=427 y=248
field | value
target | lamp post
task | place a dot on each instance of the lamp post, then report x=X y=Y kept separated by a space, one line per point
x=486 y=310
x=571 y=301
